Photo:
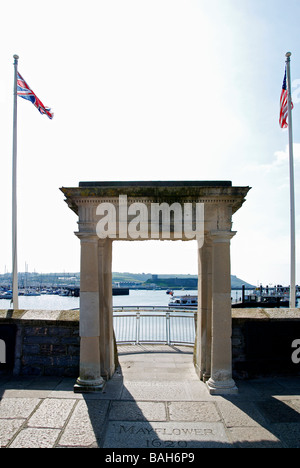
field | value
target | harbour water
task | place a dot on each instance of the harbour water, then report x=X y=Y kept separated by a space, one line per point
x=135 y=298
x=131 y=327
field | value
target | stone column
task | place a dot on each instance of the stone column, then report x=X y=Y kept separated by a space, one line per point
x=221 y=382
x=203 y=341
x=107 y=348
x=90 y=368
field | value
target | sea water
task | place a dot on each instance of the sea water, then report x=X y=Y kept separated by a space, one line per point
x=136 y=297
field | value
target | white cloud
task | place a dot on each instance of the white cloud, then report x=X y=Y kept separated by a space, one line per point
x=280 y=158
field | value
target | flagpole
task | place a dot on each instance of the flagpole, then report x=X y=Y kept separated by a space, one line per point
x=292 y=190
x=15 y=287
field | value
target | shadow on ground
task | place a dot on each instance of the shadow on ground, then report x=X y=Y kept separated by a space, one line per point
x=154 y=401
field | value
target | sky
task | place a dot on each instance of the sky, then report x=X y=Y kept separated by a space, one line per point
x=150 y=90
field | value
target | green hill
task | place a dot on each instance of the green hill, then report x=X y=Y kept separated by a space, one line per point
x=171 y=280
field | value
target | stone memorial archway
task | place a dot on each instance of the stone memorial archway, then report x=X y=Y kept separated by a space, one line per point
x=181 y=210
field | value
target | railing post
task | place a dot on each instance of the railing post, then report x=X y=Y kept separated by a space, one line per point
x=168 y=329
x=125 y=329
x=138 y=316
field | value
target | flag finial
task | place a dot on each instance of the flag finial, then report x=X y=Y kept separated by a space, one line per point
x=288 y=54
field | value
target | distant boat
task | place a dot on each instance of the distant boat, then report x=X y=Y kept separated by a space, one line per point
x=30 y=292
x=184 y=301
x=6 y=295
x=265 y=300
x=64 y=292
x=120 y=291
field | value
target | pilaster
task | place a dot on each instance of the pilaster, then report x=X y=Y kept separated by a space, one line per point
x=90 y=378
x=203 y=340
x=221 y=382
x=107 y=348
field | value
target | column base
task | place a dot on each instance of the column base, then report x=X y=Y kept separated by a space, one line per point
x=205 y=377
x=222 y=387
x=89 y=386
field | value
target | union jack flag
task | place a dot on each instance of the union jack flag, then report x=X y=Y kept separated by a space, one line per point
x=25 y=92
x=283 y=116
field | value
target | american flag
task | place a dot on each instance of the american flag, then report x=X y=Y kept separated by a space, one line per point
x=284 y=104
x=25 y=92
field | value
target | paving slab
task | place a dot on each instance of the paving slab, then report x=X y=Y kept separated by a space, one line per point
x=254 y=437
x=86 y=425
x=17 y=407
x=148 y=404
x=51 y=413
x=240 y=414
x=8 y=428
x=289 y=433
x=276 y=411
x=193 y=411
x=156 y=391
x=32 y=437
x=138 y=411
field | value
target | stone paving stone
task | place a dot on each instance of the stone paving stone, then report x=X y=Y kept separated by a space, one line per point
x=193 y=411
x=288 y=433
x=254 y=437
x=246 y=392
x=17 y=407
x=29 y=387
x=157 y=374
x=137 y=411
x=111 y=391
x=156 y=391
x=17 y=382
x=27 y=393
x=240 y=414
x=149 y=409
x=45 y=383
x=266 y=387
x=278 y=411
x=33 y=437
x=290 y=384
x=86 y=425
x=8 y=428
x=197 y=391
x=293 y=403
x=51 y=413
x=167 y=435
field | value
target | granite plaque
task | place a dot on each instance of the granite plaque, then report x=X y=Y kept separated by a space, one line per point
x=165 y=435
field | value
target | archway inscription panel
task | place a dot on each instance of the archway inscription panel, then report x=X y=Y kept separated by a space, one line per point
x=172 y=210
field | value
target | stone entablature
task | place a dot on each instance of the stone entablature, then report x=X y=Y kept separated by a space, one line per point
x=220 y=201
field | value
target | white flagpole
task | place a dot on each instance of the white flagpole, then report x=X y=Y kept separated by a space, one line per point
x=292 y=190
x=15 y=287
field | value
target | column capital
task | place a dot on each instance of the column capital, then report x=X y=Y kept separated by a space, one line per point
x=87 y=236
x=221 y=236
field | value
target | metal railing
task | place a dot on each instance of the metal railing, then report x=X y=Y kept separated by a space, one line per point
x=154 y=325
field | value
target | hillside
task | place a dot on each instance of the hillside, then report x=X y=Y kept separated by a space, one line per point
x=171 y=280
x=175 y=281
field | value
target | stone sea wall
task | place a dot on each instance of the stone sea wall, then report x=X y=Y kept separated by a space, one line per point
x=46 y=342
x=264 y=342
x=43 y=342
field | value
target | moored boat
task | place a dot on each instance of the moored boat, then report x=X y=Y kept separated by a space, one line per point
x=184 y=301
